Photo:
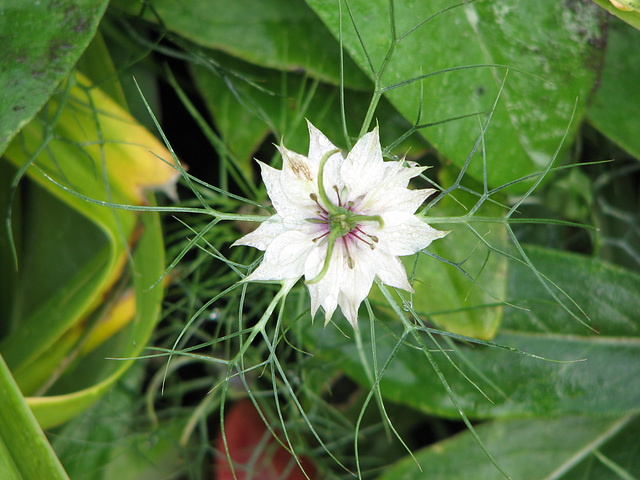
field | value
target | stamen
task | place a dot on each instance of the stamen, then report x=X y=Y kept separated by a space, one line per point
x=350 y=263
x=315 y=240
x=371 y=244
x=314 y=197
x=372 y=237
x=335 y=187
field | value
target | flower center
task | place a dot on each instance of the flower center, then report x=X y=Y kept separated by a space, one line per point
x=342 y=222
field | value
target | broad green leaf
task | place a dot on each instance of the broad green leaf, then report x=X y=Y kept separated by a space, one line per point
x=561 y=448
x=9 y=277
x=279 y=102
x=43 y=310
x=280 y=34
x=57 y=278
x=552 y=48
x=231 y=108
x=96 y=64
x=108 y=441
x=518 y=385
x=24 y=450
x=64 y=306
x=464 y=299
x=615 y=109
x=631 y=15
x=148 y=264
x=41 y=41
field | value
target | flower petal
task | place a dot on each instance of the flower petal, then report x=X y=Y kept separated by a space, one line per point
x=397 y=175
x=357 y=281
x=324 y=292
x=299 y=181
x=319 y=144
x=381 y=200
x=405 y=234
x=363 y=169
x=287 y=209
x=284 y=257
x=364 y=184
x=262 y=236
x=391 y=271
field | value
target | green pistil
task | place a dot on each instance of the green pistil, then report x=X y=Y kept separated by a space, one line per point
x=341 y=220
x=323 y=195
x=325 y=266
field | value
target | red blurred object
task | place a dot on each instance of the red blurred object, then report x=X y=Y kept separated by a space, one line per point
x=245 y=431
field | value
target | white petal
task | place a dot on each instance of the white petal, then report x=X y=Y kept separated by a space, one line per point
x=357 y=281
x=262 y=236
x=404 y=234
x=375 y=187
x=381 y=200
x=363 y=169
x=319 y=144
x=299 y=182
x=281 y=202
x=397 y=175
x=324 y=292
x=391 y=271
x=285 y=257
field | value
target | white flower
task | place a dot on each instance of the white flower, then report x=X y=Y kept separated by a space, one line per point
x=340 y=222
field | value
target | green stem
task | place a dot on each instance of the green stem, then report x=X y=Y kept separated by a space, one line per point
x=259 y=327
x=409 y=327
x=368 y=218
x=333 y=235
x=323 y=195
x=377 y=95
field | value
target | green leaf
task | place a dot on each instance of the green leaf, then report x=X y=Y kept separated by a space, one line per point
x=65 y=303
x=519 y=385
x=98 y=368
x=632 y=17
x=9 y=277
x=24 y=450
x=615 y=108
x=279 y=102
x=280 y=34
x=41 y=41
x=463 y=296
x=56 y=283
x=109 y=441
x=563 y=448
x=552 y=48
